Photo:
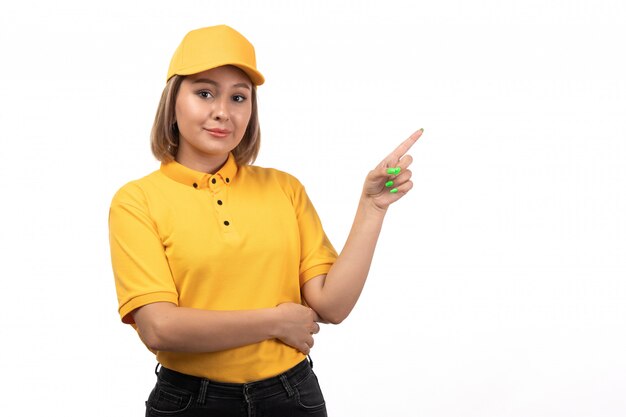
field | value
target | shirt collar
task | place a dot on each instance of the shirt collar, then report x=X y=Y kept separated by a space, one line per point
x=198 y=179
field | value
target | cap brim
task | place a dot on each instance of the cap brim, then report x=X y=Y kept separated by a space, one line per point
x=255 y=76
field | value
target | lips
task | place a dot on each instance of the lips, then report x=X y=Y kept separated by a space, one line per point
x=218 y=133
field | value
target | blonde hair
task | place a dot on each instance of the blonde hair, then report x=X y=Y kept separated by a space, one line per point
x=164 y=138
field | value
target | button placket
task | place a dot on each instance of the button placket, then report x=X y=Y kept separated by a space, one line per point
x=220 y=204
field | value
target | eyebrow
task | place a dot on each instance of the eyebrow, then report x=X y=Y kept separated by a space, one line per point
x=207 y=81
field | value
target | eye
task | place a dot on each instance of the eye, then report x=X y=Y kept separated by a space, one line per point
x=239 y=98
x=204 y=94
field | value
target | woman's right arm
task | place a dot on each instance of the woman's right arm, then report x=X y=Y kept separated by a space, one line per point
x=166 y=327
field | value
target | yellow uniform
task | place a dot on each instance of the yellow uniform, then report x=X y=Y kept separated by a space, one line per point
x=243 y=238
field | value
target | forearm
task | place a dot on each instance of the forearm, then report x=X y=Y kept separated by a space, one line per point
x=345 y=280
x=333 y=296
x=180 y=329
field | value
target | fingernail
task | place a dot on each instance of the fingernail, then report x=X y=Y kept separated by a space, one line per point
x=421 y=130
x=393 y=190
x=391 y=171
x=396 y=171
x=388 y=183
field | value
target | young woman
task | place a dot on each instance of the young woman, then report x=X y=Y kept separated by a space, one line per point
x=222 y=267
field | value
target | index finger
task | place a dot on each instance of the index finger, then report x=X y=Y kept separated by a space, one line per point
x=404 y=147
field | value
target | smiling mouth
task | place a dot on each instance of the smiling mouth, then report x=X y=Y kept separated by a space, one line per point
x=218 y=133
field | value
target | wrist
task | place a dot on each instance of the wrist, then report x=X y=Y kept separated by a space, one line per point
x=370 y=208
x=273 y=321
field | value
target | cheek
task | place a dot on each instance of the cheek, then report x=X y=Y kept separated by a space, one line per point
x=179 y=112
x=185 y=113
x=244 y=118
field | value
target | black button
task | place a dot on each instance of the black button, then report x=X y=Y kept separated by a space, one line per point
x=227 y=180
x=213 y=181
x=219 y=202
x=226 y=223
x=195 y=185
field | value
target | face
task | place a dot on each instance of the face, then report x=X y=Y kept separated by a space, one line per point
x=213 y=109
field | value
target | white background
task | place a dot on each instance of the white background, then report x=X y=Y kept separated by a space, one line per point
x=498 y=285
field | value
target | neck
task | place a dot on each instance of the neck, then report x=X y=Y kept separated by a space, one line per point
x=208 y=164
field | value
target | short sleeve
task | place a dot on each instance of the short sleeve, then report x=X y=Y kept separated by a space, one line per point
x=140 y=267
x=317 y=254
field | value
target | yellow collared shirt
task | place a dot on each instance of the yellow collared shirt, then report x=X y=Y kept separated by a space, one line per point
x=243 y=238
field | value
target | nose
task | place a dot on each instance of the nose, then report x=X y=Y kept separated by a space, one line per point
x=220 y=111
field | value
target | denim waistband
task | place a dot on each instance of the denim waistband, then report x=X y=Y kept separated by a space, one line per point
x=203 y=387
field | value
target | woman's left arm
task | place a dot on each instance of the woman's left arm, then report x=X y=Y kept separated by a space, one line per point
x=333 y=295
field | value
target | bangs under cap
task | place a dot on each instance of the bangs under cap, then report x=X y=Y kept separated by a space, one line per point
x=211 y=47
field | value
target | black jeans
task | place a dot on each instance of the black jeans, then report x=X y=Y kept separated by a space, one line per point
x=293 y=393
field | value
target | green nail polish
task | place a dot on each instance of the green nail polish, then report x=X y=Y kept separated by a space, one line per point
x=388 y=183
x=391 y=171
x=396 y=171
x=393 y=190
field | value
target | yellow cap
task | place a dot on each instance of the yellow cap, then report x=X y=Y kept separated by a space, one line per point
x=211 y=47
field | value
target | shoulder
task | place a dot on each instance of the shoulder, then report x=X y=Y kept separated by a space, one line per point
x=272 y=174
x=275 y=181
x=135 y=192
